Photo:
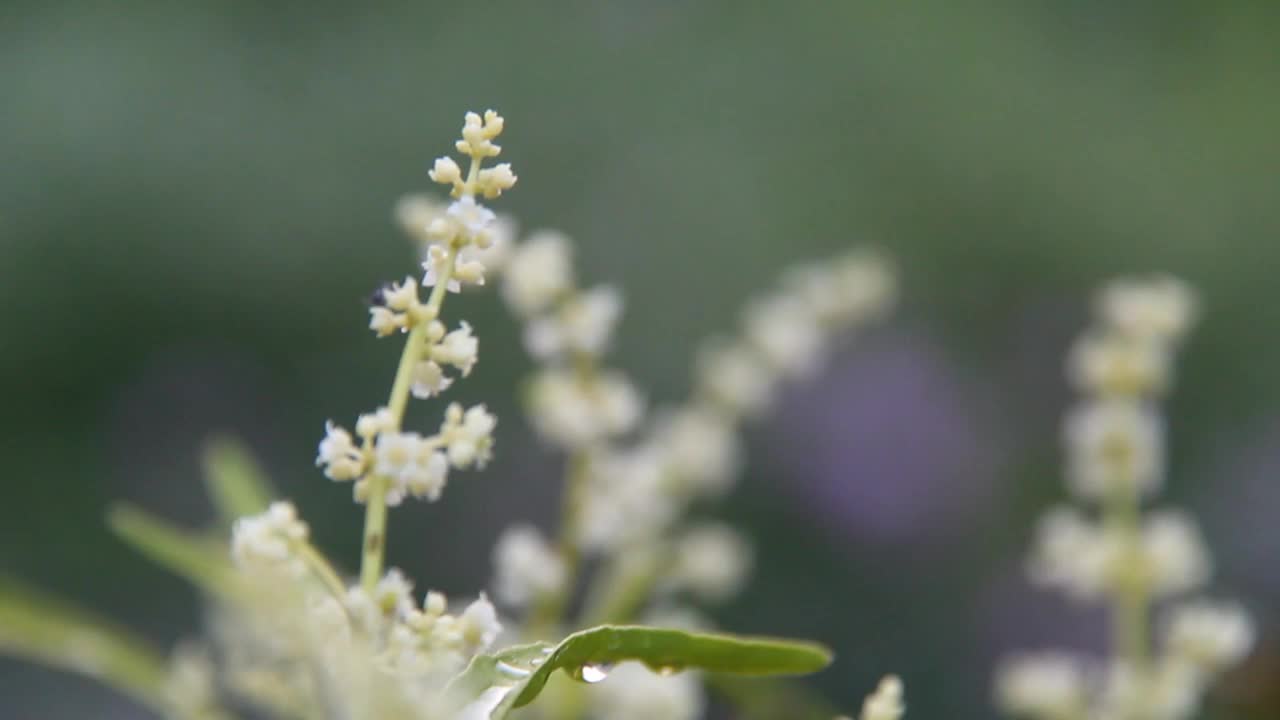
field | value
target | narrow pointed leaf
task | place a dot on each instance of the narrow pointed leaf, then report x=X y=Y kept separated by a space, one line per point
x=237 y=484
x=201 y=561
x=44 y=629
x=515 y=677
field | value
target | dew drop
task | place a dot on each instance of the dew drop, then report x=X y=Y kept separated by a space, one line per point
x=665 y=670
x=512 y=671
x=591 y=673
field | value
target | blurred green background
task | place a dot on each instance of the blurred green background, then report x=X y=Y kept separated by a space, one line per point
x=195 y=199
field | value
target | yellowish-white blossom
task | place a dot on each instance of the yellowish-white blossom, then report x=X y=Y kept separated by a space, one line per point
x=468 y=436
x=886 y=702
x=1045 y=686
x=701 y=448
x=582 y=324
x=525 y=566
x=711 y=560
x=266 y=541
x=1159 y=307
x=539 y=271
x=786 y=332
x=735 y=376
x=338 y=454
x=574 y=411
x=1114 y=364
x=1209 y=635
x=1111 y=444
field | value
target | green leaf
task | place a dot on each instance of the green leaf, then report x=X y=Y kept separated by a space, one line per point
x=514 y=677
x=237 y=484
x=201 y=561
x=40 y=628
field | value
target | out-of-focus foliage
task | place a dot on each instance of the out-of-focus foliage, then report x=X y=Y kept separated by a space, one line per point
x=192 y=204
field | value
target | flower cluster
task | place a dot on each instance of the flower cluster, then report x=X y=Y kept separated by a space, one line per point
x=1127 y=558
x=291 y=635
x=630 y=482
x=280 y=632
x=461 y=243
x=574 y=402
x=268 y=540
x=294 y=621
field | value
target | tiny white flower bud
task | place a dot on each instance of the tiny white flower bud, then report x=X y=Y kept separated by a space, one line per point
x=264 y=541
x=701 y=448
x=1046 y=685
x=468 y=437
x=470 y=272
x=471 y=218
x=1161 y=307
x=1113 y=364
x=393 y=595
x=1113 y=443
x=446 y=171
x=341 y=459
x=735 y=376
x=583 y=324
x=385 y=322
x=435 y=256
x=479 y=625
x=493 y=124
x=394 y=452
x=370 y=424
x=1173 y=553
x=493 y=181
x=786 y=333
x=401 y=296
x=428 y=478
x=1212 y=636
x=539 y=270
x=575 y=412
x=459 y=349
x=886 y=702
x=526 y=567
x=1074 y=554
x=429 y=380
x=712 y=561
x=435 y=603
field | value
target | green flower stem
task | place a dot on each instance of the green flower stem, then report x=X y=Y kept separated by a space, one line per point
x=319 y=566
x=1131 y=603
x=550 y=609
x=375 y=517
x=621 y=590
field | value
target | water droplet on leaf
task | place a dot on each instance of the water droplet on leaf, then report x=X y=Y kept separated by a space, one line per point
x=591 y=673
x=512 y=671
x=665 y=669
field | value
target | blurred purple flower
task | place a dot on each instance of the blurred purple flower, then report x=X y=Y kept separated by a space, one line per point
x=1241 y=509
x=890 y=442
x=1013 y=616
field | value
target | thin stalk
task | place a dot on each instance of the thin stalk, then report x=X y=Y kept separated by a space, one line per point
x=621 y=591
x=1130 y=612
x=550 y=608
x=321 y=569
x=375 y=517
